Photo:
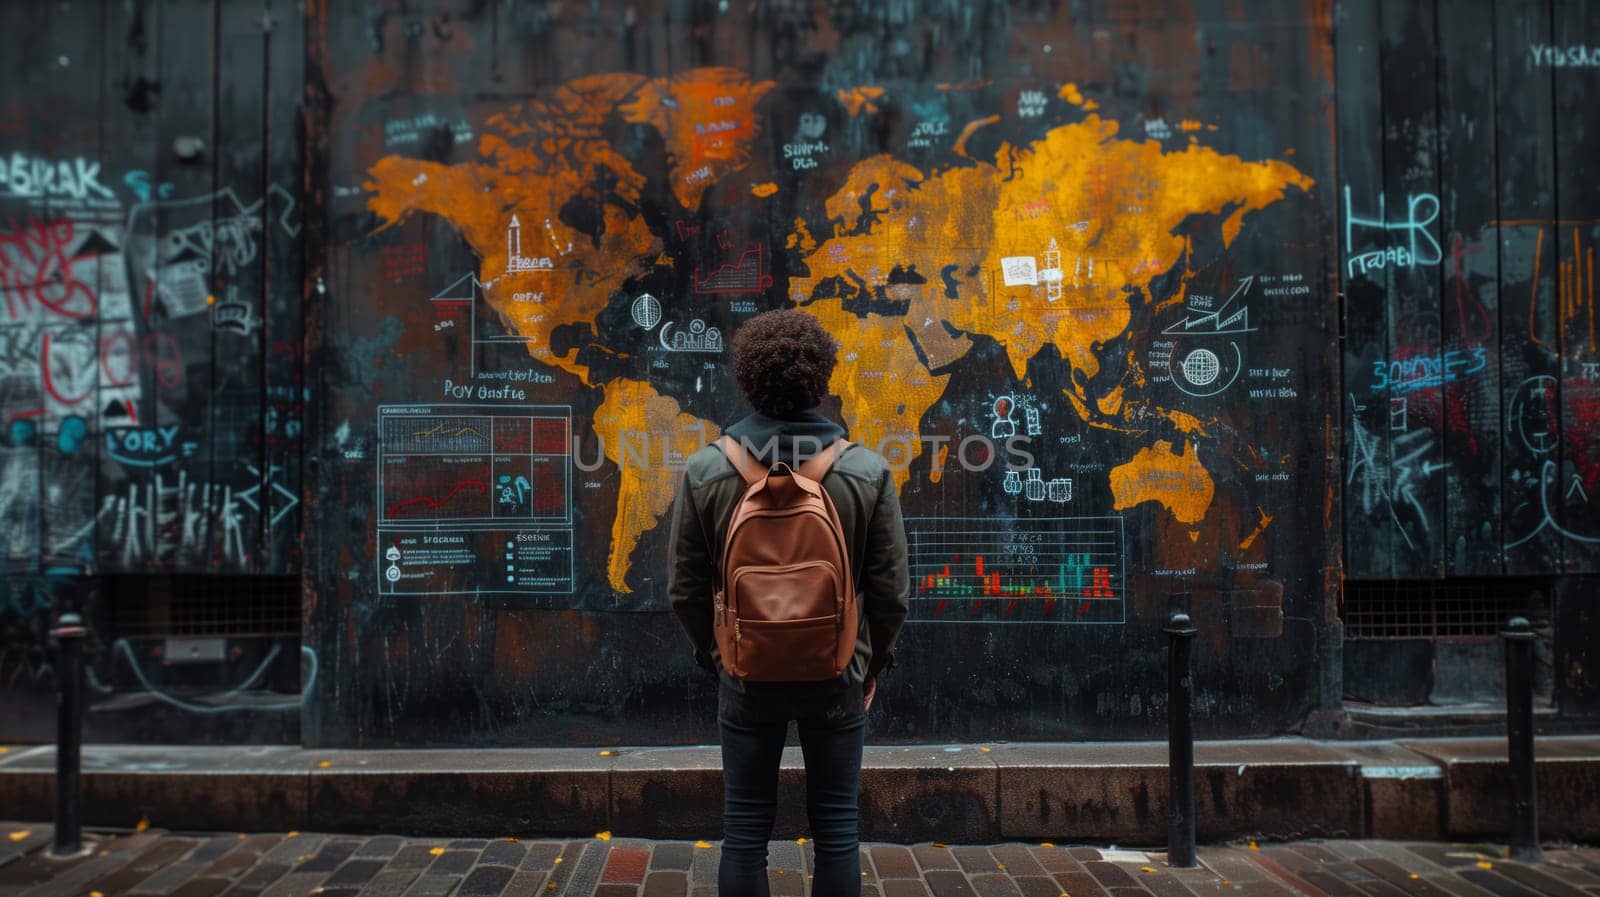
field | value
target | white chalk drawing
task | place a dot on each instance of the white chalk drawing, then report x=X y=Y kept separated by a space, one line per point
x=175 y=245
x=697 y=337
x=466 y=297
x=1051 y=275
x=1198 y=319
x=1534 y=413
x=812 y=126
x=1548 y=475
x=1209 y=369
x=1033 y=487
x=1408 y=471
x=1060 y=489
x=1200 y=367
x=646 y=311
x=121 y=648
x=1019 y=270
x=516 y=262
x=1004 y=410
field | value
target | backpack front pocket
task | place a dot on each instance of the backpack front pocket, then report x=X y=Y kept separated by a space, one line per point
x=786 y=650
x=787 y=592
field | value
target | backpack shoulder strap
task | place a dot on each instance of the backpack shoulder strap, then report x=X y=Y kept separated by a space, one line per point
x=817 y=466
x=739 y=458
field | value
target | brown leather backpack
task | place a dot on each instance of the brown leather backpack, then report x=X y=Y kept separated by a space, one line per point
x=785 y=610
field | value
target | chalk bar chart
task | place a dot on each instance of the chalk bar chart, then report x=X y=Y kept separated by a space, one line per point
x=474 y=499
x=1032 y=570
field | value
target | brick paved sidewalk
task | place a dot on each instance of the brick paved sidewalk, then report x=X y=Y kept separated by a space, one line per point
x=294 y=864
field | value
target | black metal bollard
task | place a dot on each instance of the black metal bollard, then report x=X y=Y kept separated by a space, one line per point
x=1180 y=735
x=1519 y=639
x=68 y=633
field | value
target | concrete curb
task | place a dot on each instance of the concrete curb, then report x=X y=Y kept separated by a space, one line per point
x=1273 y=789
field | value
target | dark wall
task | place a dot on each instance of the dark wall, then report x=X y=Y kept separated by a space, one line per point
x=1469 y=214
x=489 y=428
x=504 y=188
x=151 y=222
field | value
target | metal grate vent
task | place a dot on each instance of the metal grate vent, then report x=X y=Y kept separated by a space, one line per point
x=1441 y=609
x=145 y=606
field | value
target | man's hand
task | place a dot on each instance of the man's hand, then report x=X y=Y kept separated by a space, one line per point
x=872 y=689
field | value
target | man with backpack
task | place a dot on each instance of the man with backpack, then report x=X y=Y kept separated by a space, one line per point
x=788 y=571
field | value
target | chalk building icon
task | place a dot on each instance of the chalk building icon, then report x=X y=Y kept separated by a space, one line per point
x=1051 y=275
x=697 y=338
x=516 y=262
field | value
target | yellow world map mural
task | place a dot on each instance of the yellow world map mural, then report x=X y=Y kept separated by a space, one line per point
x=1109 y=210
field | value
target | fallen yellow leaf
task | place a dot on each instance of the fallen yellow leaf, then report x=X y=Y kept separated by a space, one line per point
x=143 y=824
x=97 y=894
x=550 y=887
x=604 y=836
x=939 y=844
x=325 y=764
x=294 y=834
x=1485 y=864
x=1045 y=844
x=1414 y=876
x=559 y=860
x=799 y=840
x=1150 y=869
x=5 y=750
x=1253 y=846
x=702 y=844
x=512 y=840
x=18 y=836
x=984 y=749
x=605 y=753
x=1000 y=866
x=436 y=851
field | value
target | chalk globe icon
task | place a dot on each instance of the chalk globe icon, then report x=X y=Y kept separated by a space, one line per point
x=646 y=311
x=1201 y=367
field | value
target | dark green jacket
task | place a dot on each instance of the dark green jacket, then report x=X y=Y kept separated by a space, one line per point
x=863 y=492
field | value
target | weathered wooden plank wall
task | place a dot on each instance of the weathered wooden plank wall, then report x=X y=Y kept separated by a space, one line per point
x=150 y=384
x=1470 y=375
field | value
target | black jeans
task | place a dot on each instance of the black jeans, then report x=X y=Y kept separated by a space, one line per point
x=833 y=725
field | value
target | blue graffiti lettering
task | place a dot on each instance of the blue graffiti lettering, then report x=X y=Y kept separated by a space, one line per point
x=1420 y=246
x=144 y=446
x=1427 y=371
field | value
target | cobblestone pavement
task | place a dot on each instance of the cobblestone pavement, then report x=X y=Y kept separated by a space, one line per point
x=292 y=864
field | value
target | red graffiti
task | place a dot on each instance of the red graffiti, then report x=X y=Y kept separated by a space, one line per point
x=121 y=359
x=1464 y=292
x=35 y=271
x=400 y=262
x=73 y=366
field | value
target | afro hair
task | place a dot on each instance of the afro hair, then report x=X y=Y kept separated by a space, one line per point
x=782 y=360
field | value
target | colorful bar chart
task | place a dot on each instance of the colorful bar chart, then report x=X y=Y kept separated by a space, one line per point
x=1037 y=570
